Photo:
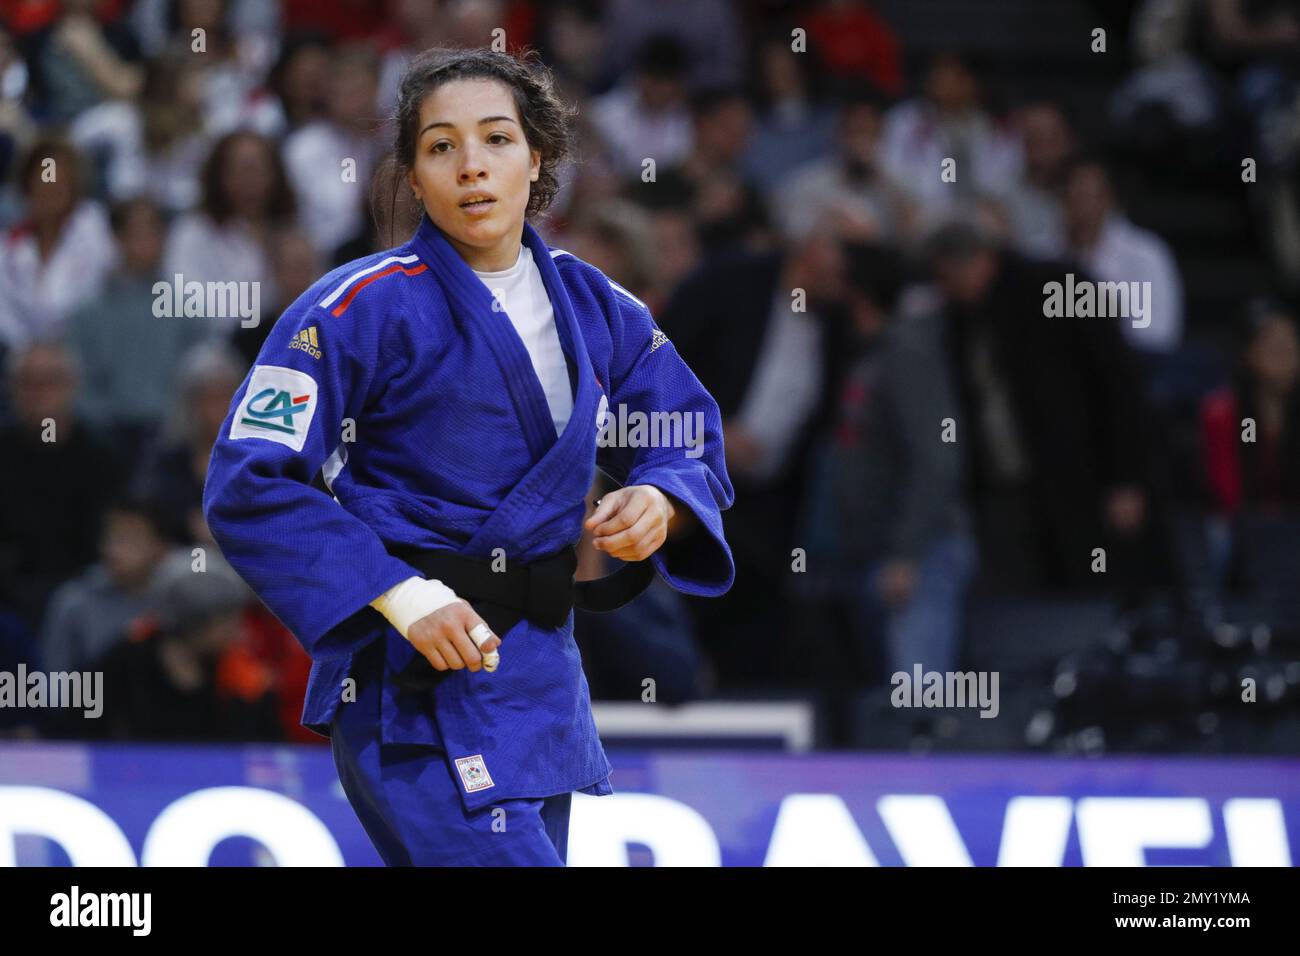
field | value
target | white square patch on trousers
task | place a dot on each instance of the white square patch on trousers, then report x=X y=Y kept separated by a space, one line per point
x=473 y=773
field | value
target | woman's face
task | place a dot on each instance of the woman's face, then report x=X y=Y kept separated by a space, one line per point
x=472 y=170
x=50 y=199
x=248 y=177
x=1274 y=356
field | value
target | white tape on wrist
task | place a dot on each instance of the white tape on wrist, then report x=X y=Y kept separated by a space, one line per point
x=405 y=603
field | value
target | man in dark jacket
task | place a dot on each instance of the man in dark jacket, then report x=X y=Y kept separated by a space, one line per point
x=887 y=504
x=1052 y=426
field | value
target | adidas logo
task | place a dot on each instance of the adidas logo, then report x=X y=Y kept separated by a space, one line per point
x=306 y=341
x=657 y=339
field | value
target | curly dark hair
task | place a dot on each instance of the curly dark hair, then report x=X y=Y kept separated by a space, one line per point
x=544 y=116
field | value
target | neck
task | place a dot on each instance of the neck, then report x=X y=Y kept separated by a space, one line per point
x=496 y=259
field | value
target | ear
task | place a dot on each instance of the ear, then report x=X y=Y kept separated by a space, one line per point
x=414 y=184
x=536 y=169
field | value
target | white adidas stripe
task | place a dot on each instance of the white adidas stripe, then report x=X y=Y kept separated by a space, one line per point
x=334 y=296
x=613 y=285
x=619 y=288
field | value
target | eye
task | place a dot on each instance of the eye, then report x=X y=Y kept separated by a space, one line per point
x=438 y=146
x=498 y=139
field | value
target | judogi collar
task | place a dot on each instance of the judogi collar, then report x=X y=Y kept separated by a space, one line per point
x=472 y=302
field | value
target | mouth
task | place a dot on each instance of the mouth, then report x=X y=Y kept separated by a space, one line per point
x=478 y=202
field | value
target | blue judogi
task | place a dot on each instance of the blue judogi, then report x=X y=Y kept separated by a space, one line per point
x=396 y=380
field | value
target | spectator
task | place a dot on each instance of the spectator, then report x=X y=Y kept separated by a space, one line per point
x=1242 y=29
x=58 y=478
x=1261 y=472
x=91 y=613
x=331 y=160
x=706 y=30
x=184 y=672
x=948 y=122
x=891 y=500
x=417 y=26
x=57 y=257
x=153 y=146
x=1032 y=391
x=616 y=238
x=17 y=128
x=1114 y=250
x=246 y=195
x=573 y=45
x=857 y=43
x=80 y=61
x=757 y=330
x=1034 y=204
x=231 y=64
x=726 y=208
x=678 y=250
x=759 y=348
x=173 y=469
x=849 y=191
x=281 y=656
x=128 y=354
x=646 y=117
x=793 y=126
x=1171 y=103
x=294 y=96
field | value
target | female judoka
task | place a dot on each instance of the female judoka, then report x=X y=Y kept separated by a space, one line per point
x=402 y=480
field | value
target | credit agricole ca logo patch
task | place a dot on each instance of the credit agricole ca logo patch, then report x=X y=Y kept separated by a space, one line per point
x=278 y=405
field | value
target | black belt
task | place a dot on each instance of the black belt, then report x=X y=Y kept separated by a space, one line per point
x=543 y=591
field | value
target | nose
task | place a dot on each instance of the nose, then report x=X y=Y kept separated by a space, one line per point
x=471 y=164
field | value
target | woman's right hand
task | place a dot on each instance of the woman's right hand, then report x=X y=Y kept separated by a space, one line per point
x=443 y=638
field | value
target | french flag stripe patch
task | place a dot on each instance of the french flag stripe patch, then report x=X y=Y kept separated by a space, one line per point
x=333 y=297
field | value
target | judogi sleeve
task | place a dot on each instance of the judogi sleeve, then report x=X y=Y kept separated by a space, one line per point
x=314 y=564
x=647 y=375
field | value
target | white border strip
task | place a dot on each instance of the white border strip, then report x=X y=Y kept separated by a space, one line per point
x=333 y=296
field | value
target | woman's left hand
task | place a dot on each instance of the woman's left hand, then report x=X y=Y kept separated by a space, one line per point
x=632 y=523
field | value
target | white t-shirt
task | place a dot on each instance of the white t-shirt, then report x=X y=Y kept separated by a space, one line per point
x=522 y=295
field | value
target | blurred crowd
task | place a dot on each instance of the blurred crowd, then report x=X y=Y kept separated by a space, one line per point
x=848 y=242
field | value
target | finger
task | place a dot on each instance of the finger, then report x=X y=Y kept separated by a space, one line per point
x=642 y=549
x=480 y=634
x=627 y=517
x=467 y=650
x=487 y=643
x=626 y=542
x=446 y=644
x=646 y=546
x=436 y=659
x=479 y=630
x=608 y=505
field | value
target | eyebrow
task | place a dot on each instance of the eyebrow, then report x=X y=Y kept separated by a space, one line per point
x=486 y=119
